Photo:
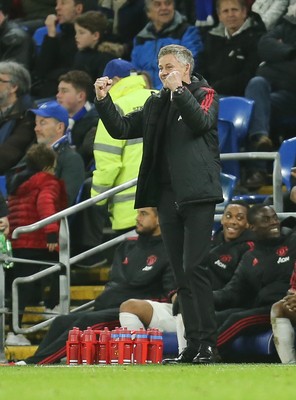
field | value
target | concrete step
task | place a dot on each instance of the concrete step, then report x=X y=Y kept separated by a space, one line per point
x=86 y=292
x=16 y=353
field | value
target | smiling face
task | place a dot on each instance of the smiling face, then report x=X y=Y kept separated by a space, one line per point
x=266 y=224
x=234 y=221
x=168 y=64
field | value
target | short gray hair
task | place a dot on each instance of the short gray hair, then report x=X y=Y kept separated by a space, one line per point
x=19 y=76
x=182 y=54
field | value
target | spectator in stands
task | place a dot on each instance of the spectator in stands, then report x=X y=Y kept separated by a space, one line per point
x=34 y=194
x=261 y=278
x=127 y=18
x=74 y=91
x=129 y=277
x=228 y=247
x=230 y=59
x=91 y=28
x=51 y=121
x=118 y=161
x=15 y=43
x=283 y=322
x=58 y=49
x=165 y=26
x=198 y=12
x=273 y=89
x=270 y=11
x=16 y=127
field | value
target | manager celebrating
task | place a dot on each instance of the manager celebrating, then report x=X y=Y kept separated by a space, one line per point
x=180 y=175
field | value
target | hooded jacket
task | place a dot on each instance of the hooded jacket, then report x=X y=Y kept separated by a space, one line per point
x=41 y=196
x=189 y=122
x=148 y=42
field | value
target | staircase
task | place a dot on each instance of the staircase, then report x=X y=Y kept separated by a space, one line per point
x=86 y=291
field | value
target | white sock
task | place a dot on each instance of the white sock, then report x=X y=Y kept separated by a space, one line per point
x=182 y=344
x=284 y=337
x=130 y=321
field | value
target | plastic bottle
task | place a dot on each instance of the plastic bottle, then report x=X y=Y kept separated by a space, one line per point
x=155 y=346
x=140 y=347
x=73 y=347
x=103 y=344
x=88 y=346
x=6 y=248
x=125 y=346
x=114 y=346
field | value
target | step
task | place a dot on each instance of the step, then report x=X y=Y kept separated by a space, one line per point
x=16 y=353
x=86 y=292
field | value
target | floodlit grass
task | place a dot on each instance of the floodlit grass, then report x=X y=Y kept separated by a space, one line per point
x=225 y=381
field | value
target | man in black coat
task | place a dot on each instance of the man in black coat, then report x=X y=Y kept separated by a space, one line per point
x=180 y=175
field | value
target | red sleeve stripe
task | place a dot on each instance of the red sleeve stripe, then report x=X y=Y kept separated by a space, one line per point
x=208 y=100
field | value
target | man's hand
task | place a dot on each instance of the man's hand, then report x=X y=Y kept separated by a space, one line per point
x=293 y=194
x=102 y=87
x=173 y=80
x=290 y=302
x=51 y=24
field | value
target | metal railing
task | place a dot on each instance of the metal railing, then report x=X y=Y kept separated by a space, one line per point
x=65 y=261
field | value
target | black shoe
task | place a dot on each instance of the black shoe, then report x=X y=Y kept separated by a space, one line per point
x=185 y=357
x=261 y=143
x=207 y=355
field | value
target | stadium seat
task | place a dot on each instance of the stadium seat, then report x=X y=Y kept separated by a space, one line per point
x=287 y=152
x=253 y=345
x=233 y=124
x=3 y=186
x=39 y=35
x=228 y=184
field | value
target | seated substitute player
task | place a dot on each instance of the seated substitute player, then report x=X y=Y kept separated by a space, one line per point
x=140 y=270
x=228 y=246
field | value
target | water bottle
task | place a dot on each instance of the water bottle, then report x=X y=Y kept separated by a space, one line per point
x=140 y=347
x=125 y=346
x=73 y=347
x=6 y=248
x=114 y=346
x=103 y=351
x=155 y=346
x=88 y=347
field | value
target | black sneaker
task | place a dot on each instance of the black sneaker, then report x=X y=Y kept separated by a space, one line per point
x=185 y=357
x=207 y=355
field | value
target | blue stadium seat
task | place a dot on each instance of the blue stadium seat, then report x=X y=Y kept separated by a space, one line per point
x=253 y=345
x=3 y=186
x=39 y=35
x=228 y=184
x=287 y=152
x=233 y=124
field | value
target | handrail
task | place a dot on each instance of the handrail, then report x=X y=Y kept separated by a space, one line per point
x=64 y=233
x=276 y=175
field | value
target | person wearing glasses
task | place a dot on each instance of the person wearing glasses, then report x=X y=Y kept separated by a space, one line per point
x=16 y=127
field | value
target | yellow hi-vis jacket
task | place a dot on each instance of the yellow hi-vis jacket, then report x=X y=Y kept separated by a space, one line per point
x=118 y=161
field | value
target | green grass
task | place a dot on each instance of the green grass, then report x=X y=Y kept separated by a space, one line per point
x=153 y=382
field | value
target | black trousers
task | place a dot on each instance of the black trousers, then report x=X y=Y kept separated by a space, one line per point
x=53 y=346
x=186 y=233
x=237 y=321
